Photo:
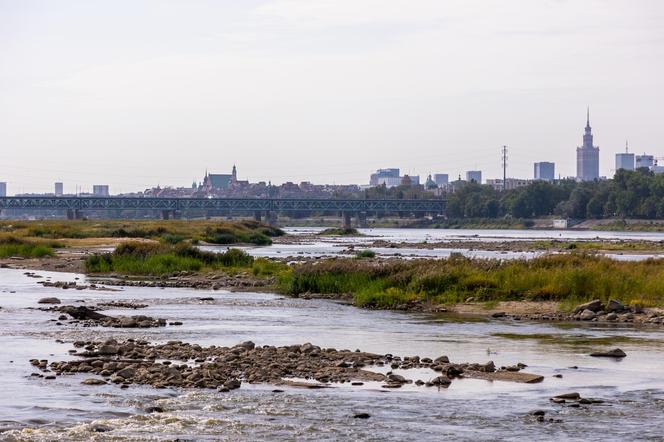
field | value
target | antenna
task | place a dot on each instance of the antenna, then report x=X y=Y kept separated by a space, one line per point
x=504 y=162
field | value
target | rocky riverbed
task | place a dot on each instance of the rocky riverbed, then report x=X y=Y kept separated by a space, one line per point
x=179 y=364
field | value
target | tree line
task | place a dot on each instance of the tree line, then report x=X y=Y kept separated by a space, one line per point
x=630 y=194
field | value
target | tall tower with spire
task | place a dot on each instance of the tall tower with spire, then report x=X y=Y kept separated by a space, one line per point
x=587 y=156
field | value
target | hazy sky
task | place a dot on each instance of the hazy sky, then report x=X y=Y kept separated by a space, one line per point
x=139 y=93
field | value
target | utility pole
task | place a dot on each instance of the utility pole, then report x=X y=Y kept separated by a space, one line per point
x=504 y=161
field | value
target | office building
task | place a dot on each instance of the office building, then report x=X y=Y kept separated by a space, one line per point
x=544 y=171
x=383 y=176
x=441 y=179
x=644 y=161
x=624 y=161
x=100 y=190
x=474 y=175
x=587 y=156
x=58 y=189
x=3 y=189
x=510 y=183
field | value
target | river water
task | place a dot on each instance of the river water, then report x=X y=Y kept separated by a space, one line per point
x=328 y=246
x=38 y=409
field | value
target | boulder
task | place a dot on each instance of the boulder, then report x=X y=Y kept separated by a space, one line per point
x=587 y=315
x=594 y=306
x=568 y=396
x=615 y=353
x=51 y=300
x=442 y=360
x=614 y=306
x=94 y=381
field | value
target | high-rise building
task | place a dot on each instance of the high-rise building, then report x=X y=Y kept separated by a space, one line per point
x=587 y=156
x=3 y=189
x=544 y=171
x=645 y=161
x=58 y=189
x=100 y=190
x=624 y=161
x=392 y=175
x=441 y=179
x=474 y=175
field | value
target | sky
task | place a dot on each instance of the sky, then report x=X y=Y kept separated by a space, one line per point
x=141 y=93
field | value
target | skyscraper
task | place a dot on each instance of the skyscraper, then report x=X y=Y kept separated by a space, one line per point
x=58 y=189
x=545 y=171
x=3 y=189
x=474 y=175
x=587 y=156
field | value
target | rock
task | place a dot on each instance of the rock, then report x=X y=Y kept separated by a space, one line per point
x=538 y=413
x=93 y=381
x=51 y=300
x=498 y=315
x=101 y=429
x=232 y=384
x=442 y=381
x=154 y=410
x=568 y=396
x=362 y=416
x=126 y=373
x=441 y=360
x=108 y=349
x=594 y=306
x=397 y=378
x=615 y=353
x=611 y=316
x=587 y=315
x=614 y=306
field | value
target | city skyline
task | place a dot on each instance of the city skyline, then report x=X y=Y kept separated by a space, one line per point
x=294 y=92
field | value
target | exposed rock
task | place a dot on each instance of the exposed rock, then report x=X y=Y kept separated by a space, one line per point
x=94 y=381
x=587 y=315
x=614 y=306
x=362 y=416
x=51 y=300
x=568 y=396
x=615 y=353
x=594 y=306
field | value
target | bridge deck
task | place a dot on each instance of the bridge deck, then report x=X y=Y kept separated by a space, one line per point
x=432 y=206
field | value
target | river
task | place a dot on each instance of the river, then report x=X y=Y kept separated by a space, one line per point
x=312 y=246
x=38 y=409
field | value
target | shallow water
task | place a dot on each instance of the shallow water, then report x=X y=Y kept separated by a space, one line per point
x=469 y=410
x=329 y=246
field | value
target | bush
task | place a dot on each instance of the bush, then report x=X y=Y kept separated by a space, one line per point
x=365 y=254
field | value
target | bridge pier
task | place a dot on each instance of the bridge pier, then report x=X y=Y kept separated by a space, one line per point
x=74 y=214
x=272 y=218
x=362 y=220
x=258 y=215
x=346 y=220
x=165 y=214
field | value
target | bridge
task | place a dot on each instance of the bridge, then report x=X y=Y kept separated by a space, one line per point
x=74 y=206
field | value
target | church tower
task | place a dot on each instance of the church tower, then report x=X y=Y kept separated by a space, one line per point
x=587 y=156
x=234 y=174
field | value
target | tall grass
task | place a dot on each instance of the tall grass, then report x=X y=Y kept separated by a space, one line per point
x=136 y=258
x=12 y=246
x=568 y=277
x=171 y=231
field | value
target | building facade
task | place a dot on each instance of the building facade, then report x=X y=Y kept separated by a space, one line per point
x=382 y=176
x=3 y=189
x=544 y=171
x=510 y=183
x=441 y=179
x=644 y=161
x=474 y=175
x=587 y=156
x=100 y=190
x=58 y=191
x=624 y=161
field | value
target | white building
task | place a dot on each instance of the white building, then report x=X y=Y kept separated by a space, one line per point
x=58 y=189
x=100 y=190
x=624 y=161
x=3 y=189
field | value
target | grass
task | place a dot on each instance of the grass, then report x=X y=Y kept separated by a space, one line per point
x=168 y=231
x=11 y=246
x=154 y=259
x=570 y=279
x=365 y=254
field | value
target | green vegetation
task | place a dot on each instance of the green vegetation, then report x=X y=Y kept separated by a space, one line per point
x=141 y=258
x=337 y=231
x=630 y=194
x=171 y=231
x=12 y=246
x=571 y=278
x=365 y=254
